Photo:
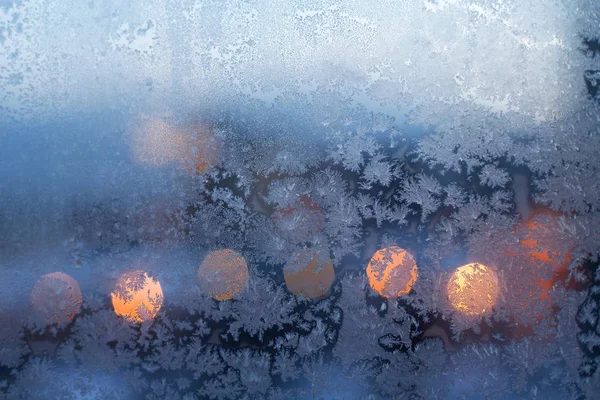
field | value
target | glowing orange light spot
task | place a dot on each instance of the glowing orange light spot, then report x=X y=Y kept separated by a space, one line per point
x=537 y=236
x=137 y=297
x=202 y=149
x=473 y=289
x=535 y=247
x=392 y=272
x=223 y=274
x=160 y=141
x=305 y=274
x=56 y=298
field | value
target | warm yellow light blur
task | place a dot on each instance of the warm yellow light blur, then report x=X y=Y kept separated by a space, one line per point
x=137 y=297
x=392 y=272
x=156 y=142
x=473 y=289
x=159 y=141
x=223 y=274
x=56 y=298
x=305 y=274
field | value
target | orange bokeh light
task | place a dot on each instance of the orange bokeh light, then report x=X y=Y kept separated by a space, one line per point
x=309 y=276
x=392 y=272
x=535 y=244
x=56 y=298
x=160 y=141
x=137 y=297
x=223 y=274
x=473 y=289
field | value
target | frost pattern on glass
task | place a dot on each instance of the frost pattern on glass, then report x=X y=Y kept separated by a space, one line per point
x=254 y=159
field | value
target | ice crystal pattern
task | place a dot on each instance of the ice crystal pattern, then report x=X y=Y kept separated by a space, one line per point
x=255 y=157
